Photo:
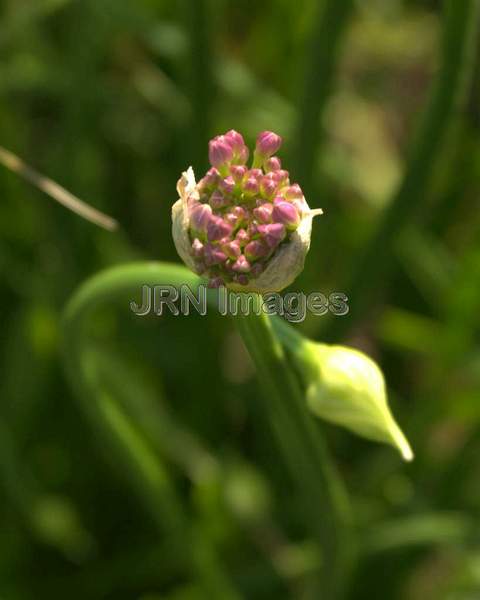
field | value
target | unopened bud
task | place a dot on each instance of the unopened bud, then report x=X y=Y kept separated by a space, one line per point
x=240 y=212
x=212 y=177
x=263 y=213
x=256 y=249
x=219 y=151
x=217 y=229
x=267 y=143
x=273 y=164
x=238 y=172
x=235 y=139
x=286 y=213
x=251 y=186
x=241 y=265
x=255 y=173
x=272 y=234
x=213 y=255
x=268 y=186
x=232 y=249
x=237 y=143
x=200 y=216
x=227 y=185
x=293 y=192
x=242 y=237
x=281 y=177
x=345 y=387
x=218 y=200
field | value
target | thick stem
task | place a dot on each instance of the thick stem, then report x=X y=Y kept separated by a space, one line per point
x=304 y=452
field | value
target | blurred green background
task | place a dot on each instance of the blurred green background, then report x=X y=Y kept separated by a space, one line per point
x=113 y=99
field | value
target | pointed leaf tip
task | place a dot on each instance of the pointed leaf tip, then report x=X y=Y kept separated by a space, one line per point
x=345 y=387
x=348 y=389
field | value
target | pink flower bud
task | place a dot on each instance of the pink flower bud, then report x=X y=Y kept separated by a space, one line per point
x=242 y=237
x=236 y=216
x=242 y=215
x=219 y=151
x=243 y=155
x=255 y=173
x=240 y=212
x=273 y=164
x=268 y=186
x=256 y=249
x=272 y=234
x=232 y=249
x=211 y=179
x=286 y=213
x=213 y=255
x=231 y=219
x=237 y=143
x=251 y=186
x=268 y=143
x=281 y=177
x=235 y=139
x=217 y=229
x=293 y=192
x=238 y=172
x=227 y=185
x=197 y=248
x=241 y=265
x=263 y=213
x=200 y=216
x=218 y=200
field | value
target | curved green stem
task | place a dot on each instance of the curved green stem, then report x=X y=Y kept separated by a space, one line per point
x=304 y=451
x=457 y=63
x=111 y=421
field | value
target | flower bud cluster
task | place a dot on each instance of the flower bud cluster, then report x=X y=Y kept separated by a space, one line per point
x=241 y=215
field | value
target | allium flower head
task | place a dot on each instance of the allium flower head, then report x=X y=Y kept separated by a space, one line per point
x=245 y=228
